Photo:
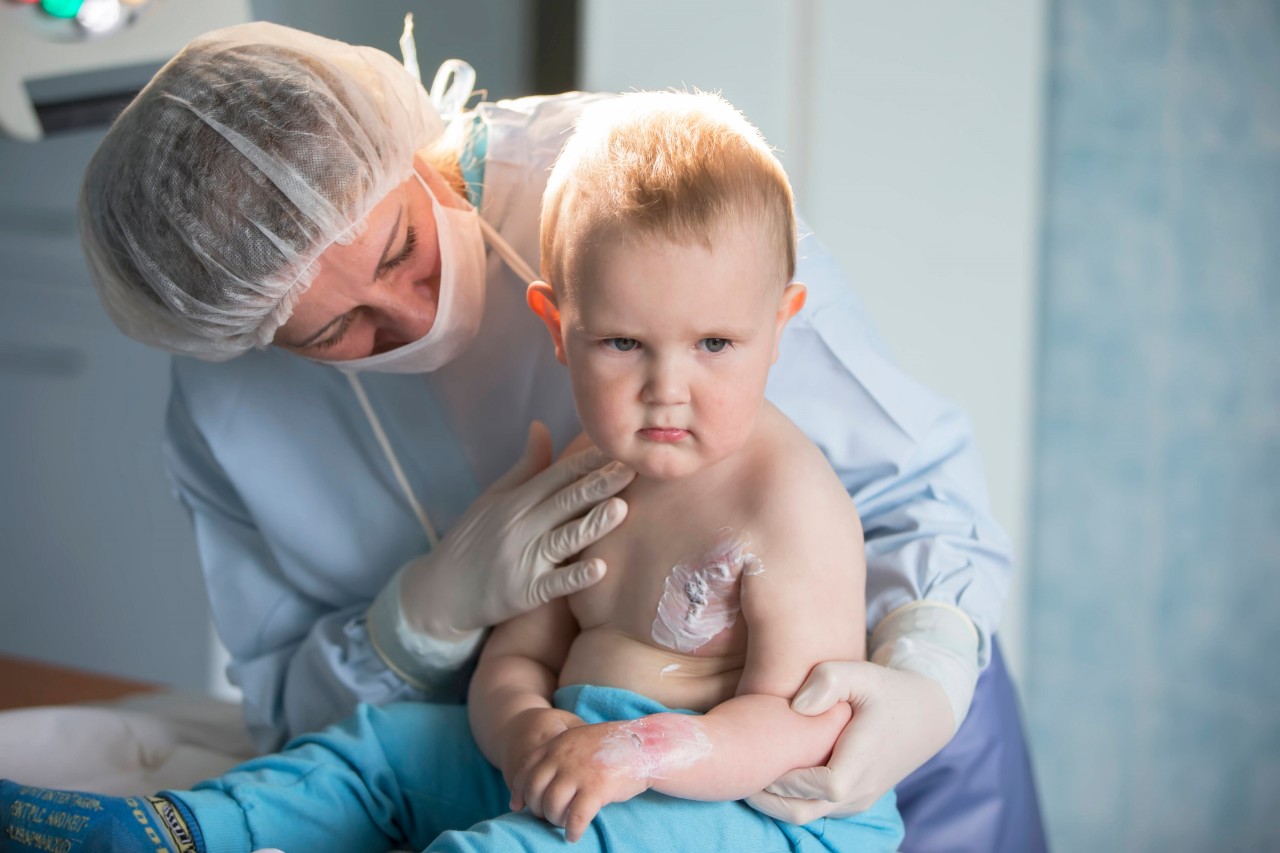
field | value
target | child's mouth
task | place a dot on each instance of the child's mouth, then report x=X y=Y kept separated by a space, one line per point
x=664 y=434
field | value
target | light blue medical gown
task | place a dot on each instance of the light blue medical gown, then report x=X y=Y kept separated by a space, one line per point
x=300 y=522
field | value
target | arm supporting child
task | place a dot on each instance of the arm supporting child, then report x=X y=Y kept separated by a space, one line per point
x=926 y=661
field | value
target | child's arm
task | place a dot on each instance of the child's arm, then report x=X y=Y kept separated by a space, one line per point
x=804 y=608
x=509 y=702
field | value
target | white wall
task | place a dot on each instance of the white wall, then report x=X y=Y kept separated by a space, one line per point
x=911 y=132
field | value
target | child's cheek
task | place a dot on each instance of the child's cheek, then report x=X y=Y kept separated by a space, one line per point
x=598 y=412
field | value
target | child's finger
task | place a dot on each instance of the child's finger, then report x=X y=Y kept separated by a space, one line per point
x=520 y=780
x=535 y=788
x=557 y=798
x=582 y=811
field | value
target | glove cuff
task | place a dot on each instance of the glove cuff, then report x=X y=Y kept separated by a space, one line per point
x=936 y=640
x=419 y=659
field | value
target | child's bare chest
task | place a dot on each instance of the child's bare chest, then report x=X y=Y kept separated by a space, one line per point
x=674 y=578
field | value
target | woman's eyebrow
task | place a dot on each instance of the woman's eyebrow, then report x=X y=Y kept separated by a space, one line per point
x=386 y=250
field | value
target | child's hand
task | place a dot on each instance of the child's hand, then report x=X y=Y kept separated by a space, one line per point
x=528 y=731
x=570 y=779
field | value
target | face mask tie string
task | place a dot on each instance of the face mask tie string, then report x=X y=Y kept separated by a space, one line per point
x=454 y=81
x=387 y=451
x=520 y=267
x=452 y=88
x=409 y=49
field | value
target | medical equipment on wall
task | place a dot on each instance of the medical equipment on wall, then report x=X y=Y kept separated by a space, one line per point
x=71 y=64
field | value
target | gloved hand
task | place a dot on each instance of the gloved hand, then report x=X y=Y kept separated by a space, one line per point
x=900 y=720
x=503 y=557
x=907 y=702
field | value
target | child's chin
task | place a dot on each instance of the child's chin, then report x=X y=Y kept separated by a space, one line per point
x=664 y=469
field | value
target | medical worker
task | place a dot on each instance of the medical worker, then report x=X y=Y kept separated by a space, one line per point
x=340 y=261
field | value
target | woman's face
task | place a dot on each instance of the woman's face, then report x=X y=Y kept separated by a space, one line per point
x=380 y=291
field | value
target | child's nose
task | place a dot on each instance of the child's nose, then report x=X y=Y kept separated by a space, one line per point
x=666 y=384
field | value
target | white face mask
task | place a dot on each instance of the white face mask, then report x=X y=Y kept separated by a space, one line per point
x=462 y=289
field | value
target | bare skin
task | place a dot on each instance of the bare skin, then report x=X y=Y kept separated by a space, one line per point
x=674 y=522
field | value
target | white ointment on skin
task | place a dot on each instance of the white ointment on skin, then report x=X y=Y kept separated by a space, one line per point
x=702 y=598
x=654 y=746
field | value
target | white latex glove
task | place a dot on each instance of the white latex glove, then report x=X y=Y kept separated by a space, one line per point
x=502 y=558
x=907 y=703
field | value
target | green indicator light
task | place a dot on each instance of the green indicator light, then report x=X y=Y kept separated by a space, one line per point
x=62 y=8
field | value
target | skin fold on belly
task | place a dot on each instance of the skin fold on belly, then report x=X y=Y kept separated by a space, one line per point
x=608 y=657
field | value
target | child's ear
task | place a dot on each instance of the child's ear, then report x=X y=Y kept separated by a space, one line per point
x=542 y=301
x=792 y=301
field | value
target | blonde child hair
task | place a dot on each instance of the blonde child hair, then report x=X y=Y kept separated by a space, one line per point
x=674 y=165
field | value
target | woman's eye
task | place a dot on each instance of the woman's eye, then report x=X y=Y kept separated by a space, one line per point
x=715 y=344
x=336 y=336
x=620 y=344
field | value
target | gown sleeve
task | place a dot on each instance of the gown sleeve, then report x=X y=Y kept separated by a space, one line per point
x=302 y=664
x=906 y=456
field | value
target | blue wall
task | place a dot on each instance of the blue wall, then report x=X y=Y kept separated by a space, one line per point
x=1154 y=686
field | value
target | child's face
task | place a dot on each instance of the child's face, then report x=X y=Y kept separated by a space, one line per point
x=669 y=346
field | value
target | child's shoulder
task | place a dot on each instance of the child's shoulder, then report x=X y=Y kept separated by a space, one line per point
x=788 y=472
x=803 y=522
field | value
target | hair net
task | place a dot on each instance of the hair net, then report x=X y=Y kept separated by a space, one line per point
x=206 y=206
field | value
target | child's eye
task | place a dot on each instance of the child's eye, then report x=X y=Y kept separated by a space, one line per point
x=620 y=344
x=715 y=344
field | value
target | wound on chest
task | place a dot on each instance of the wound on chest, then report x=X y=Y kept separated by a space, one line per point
x=703 y=596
